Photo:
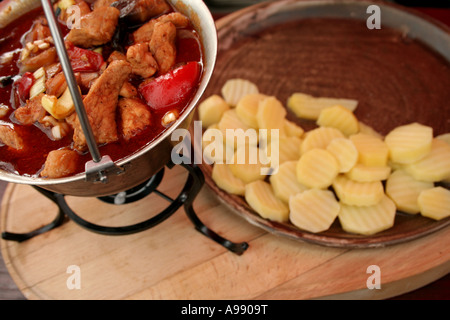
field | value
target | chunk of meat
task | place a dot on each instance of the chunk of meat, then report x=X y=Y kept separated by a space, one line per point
x=87 y=79
x=69 y=16
x=116 y=55
x=145 y=32
x=103 y=3
x=100 y=104
x=135 y=115
x=31 y=112
x=56 y=85
x=52 y=69
x=141 y=60
x=44 y=58
x=39 y=31
x=96 y=28
x=128 y=90
x=85 y=8
x=10 y=137
x=146 y=9
x=163 y=46
x=60 y=163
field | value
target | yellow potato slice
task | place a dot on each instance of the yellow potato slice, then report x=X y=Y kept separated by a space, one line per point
x=340 y=118
x=366 y=129
x=358 y=193
x=409 y=143
x=435 y=203
x=261 y=198
x=247 y=108
x=225 y=180
x=210 y=111
x=368 y=220
x=230 y=120
x=345 y=153
x=247 y=165
x=288 y=149
x=235 y=132
x=285 y=183
x=404 y=190
x=435 y=166
x=234 y=89
x=214 y=149
x=308 y=107
x=313 y=210
x=317 y=168
x=372 y=150
x=319 y=138
x=364 y=173
x=271 y=114
x=444 y=137
x=292 y=129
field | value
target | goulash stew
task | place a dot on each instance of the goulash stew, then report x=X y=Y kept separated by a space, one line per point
x=137 y=65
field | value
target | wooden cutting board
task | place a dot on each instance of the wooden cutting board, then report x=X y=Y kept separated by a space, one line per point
x=174 y=261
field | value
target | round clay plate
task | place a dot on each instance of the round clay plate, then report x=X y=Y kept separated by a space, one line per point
x=399 y=74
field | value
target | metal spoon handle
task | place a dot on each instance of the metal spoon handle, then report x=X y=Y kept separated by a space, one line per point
x=70 y=79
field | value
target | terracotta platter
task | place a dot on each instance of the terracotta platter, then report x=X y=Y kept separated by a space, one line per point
x=399 y=74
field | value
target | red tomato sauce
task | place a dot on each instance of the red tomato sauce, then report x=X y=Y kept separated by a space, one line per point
x=30 y=160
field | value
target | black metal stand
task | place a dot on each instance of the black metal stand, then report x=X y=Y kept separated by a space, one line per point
x=192 y=187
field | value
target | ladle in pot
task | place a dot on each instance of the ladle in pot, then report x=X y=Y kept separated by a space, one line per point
x=99 y=167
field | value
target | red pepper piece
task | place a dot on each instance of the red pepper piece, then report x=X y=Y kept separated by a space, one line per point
x=83 y=60
x=173 y=89
x=24 y=85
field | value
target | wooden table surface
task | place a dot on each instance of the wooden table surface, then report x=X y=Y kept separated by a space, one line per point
x=174 y=261
x=437 y=290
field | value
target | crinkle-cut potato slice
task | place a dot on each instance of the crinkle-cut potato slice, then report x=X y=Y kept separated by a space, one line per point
x=248 y=164
x=435 y=166
x=358 y=193
x=434 y=203
x=291 y=129
x=372 y=150
x=271 y=114
x=288 y=149
x=366 y=129
x=444 y=137
x=340 y=118
x=363 y=173
x=409 y=143
x=261 y=198
x=308 y=107
x=317 y=168
x=345 y=153
x=211 y=109
x=404 y=190
x=234 y=89
x=368 y=220
x=247 y=108
x=213 y=146
x=313 y=210
x=395 y=166
x=225 y=180
x=284 y=182
x=319 y=138
x=235 y=132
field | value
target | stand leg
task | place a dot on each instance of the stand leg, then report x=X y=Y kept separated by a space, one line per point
x=59 y=220
x=193 y=186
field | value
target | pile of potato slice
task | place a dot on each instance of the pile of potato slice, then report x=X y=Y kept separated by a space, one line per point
x=342 y=169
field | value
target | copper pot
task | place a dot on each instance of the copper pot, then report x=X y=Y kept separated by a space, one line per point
x=147 y=161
